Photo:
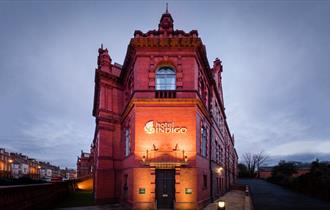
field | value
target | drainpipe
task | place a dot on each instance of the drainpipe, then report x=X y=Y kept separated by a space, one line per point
x=211 y=171
x=210 y=147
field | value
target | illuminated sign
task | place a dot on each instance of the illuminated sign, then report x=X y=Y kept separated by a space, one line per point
x=152 y=127
x=142 y=190
x=188 y=191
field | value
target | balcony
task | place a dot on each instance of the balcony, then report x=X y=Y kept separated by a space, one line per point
x=165 y=159
x=165 y=94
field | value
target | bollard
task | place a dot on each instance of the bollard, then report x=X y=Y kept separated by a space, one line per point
x=246 y=190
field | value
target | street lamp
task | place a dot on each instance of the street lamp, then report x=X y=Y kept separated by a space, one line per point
x=10 y=161
x=221 y=205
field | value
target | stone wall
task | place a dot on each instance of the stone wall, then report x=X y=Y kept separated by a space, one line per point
x=35 y=196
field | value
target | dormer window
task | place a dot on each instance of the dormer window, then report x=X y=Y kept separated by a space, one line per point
x=165 y=79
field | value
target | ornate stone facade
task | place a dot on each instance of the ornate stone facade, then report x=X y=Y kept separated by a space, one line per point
x=161 y=137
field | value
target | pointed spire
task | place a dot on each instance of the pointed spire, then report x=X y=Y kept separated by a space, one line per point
x=166 y=22
x=104 y=60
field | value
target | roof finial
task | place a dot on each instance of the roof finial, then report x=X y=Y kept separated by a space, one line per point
x=166 y=8
x=102 y=46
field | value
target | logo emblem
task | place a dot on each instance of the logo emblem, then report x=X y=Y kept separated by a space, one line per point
x=149 y=127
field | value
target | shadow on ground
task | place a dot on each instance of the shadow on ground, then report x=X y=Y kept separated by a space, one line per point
x=76 y=199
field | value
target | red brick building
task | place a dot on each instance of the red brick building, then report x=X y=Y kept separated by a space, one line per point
x=84 y=164
x=161 y=137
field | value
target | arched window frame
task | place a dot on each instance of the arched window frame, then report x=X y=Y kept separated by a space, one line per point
x=165 y=78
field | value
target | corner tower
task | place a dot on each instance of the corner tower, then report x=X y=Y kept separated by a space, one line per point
x=161 y=137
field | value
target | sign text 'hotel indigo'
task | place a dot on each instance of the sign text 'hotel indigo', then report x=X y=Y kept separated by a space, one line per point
x=152 y=127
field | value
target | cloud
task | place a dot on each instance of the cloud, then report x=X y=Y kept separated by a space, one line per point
x=276 y=70
x=55 y=140
x=301 y=147
x=304 y=157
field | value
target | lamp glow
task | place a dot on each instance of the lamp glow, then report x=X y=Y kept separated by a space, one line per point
x=219 y=170
x=221 y=205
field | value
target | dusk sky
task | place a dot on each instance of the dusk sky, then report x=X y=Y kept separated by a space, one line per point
x=276 y=60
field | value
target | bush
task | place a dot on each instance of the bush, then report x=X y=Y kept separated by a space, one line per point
x=315 y=183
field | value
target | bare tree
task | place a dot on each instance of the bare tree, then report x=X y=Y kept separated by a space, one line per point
x=249 y=162
x=259 y=159
x=254 y=161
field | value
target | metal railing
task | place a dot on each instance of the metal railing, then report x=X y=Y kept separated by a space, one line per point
x=165 y=94
x=165 y=159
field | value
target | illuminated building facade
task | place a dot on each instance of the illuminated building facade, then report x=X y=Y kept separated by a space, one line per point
x=17 y=165
x=161 y=137
x=5 y=164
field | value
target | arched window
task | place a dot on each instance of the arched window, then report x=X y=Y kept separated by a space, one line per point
x=165 y=79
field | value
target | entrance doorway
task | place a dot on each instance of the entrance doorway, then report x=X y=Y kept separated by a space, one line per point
x=165 y=188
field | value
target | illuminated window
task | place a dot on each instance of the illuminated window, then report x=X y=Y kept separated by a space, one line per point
x=165 y=79
x=127 y=142
x=204 y=141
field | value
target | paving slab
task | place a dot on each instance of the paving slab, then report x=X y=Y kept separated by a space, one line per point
x=234 y=199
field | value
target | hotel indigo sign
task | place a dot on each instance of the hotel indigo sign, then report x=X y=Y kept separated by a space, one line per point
x=152 y=127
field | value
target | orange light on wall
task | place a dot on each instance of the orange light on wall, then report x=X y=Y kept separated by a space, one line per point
x=170 y=132
x=85 y=185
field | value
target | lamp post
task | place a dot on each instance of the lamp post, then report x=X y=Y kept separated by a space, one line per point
x=221 y=205
x=10 y=161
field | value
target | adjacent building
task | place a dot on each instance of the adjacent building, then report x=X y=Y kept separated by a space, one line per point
x=84 y=165
x=301 y=169
x=5 y=163
x=20 y=165
x=161 y=137
x=17 y=165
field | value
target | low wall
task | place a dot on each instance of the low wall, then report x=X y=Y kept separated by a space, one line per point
x=34 y=196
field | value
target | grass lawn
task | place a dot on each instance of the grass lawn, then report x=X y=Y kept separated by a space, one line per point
x=77 y=198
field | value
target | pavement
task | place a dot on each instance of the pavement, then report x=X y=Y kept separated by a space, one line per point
x=235 y=200
x=268 y=196
x=101 y=207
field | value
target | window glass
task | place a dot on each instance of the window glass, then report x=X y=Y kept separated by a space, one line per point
x=127 y=142
x=204 y=141
x=165 y=79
